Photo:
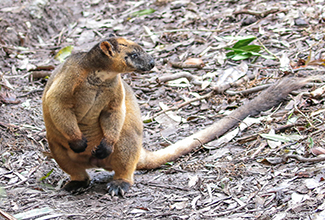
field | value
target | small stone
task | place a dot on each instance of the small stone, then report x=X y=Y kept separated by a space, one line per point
x=249 y=20
x=301 y=22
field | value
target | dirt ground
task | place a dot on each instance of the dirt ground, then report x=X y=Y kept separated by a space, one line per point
x=248 y=175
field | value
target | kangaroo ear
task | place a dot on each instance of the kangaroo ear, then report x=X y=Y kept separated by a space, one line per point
x=107 y=48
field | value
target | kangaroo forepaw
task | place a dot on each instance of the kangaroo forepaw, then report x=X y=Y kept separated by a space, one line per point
x=78 y=146
x=103 y=150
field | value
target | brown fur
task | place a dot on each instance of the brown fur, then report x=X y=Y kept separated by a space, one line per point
x=86 y=104
x=93 y=119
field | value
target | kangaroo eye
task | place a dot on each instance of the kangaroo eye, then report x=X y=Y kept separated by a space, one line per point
x=134 y=56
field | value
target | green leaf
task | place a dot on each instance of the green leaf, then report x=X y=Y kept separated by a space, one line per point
x=239 y=55
x=147 y=120
x=143 y=12
x=311 y=142
x=47 y=175
x=247 y=49
x=244 y=42
x=268 y=57
x=251 y=48
x=239 y=38
x=63 y=53
x=242 y=56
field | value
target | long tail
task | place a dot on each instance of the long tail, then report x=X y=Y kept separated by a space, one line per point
x=267 y=99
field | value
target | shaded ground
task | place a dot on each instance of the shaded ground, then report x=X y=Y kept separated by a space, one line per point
x=243 y=178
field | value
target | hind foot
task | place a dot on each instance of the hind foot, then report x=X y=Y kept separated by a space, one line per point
x=118 y=187
x=76 y=186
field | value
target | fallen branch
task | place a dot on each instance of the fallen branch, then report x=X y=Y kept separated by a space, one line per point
x=6 y=215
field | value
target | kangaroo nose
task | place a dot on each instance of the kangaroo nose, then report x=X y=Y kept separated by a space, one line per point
x=152 y=63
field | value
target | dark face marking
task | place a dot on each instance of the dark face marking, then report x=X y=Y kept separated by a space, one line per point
x=139 y=59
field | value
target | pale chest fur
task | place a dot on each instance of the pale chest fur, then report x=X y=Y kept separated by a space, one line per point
x=95 y=95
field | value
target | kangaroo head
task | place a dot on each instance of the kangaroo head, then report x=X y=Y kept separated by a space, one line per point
x=126 y=55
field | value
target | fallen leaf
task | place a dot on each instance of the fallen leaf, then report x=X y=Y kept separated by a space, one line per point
x=317 y=151
x=318 y=92
x=181 y=82
x=8 y=98
x=33 y=213
x=297 y=198
x=273 y=143
x=137 y=211
x=312 y=183
x=194 y=61
x=63 y=53
x=285 y=62
x=280 y=216
x=171 y=114
x=271 y=160
x=281 y=138
x=303 y=174
x=179 y=205
x=318 y=62
x=193 y=181
x=232 y=74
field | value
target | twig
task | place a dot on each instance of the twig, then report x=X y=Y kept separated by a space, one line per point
x=29 y=174
x=186 y=75
x=2 y=124
x=316 y=132
x=259 y=149
x=165 y=186
x=306 y=117
x=224 y=87
x=319 y=158
x=185 y=30
x=208 y=95
x=248 y=91
x=261 y=14
x=182 y=65
x=30 y=92
x=238 y=208
x=6 y=215
x=267 y=50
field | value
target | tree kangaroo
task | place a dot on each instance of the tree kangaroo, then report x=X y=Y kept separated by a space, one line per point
x=93 y=120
